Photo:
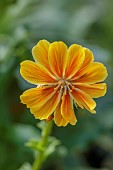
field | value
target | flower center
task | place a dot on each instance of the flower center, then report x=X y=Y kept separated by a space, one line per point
x=64 y=85
x=62 y=82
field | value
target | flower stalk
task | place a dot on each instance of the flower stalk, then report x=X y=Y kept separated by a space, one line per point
x=43 y=144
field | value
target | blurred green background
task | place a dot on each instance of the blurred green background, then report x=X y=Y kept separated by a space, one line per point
x=89 y=144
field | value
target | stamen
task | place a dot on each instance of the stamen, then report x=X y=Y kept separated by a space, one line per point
x=68 y=86
x=60 y=82
x=65 y=89
x=70 y=90
x=55 y=88
x=62 y=87
x=73 y=87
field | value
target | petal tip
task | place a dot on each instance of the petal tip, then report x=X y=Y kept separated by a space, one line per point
x=73 y=123
x=93 y=111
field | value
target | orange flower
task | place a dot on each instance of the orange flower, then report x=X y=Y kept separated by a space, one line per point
x=62 y=75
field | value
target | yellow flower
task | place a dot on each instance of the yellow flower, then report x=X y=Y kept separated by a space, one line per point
x=62 y=75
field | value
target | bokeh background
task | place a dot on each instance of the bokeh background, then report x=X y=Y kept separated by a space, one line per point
x=89 y=144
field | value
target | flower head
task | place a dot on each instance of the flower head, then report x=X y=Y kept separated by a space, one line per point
x=62 y=76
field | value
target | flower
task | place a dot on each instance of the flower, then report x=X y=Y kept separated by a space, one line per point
x=62 y=76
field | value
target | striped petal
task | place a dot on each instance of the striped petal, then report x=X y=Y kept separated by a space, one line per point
x=84 y=99
x=57 y=58
x=75 y=59
x=96 y=73
x=40 y=53
x=58 y=118
x=37 y=97
x=46 y=109
x=94 y=90
x=67 y=109
x=88 y=59
x=35 y=73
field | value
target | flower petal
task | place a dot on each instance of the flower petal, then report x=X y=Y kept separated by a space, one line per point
x=48 y=108
x=37 y=97
x=94 y=90
x=58 y=118
x=35 y=73
x=83 y=99
x=88 y=59
x=67 y=109
x=57 y=58
x=96 y=73
x=75 y=59
x=40 y=53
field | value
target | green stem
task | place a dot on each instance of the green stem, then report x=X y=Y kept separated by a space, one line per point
x=40 y=156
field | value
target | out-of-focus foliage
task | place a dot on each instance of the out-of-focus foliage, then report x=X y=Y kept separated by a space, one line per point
x=89 y=144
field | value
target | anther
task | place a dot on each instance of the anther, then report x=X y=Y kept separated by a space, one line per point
x=55 y=88
x=73 y=87
x=70 y=90
x=62 y=87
